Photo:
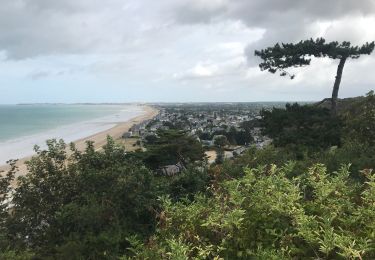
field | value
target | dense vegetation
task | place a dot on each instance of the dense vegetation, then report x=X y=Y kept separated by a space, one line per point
x=302 y=125
x=310 y=195
x=266 y=215
x=171 y=147
x=234 y=136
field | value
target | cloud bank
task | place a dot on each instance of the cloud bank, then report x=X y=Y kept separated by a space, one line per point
x=187 y=50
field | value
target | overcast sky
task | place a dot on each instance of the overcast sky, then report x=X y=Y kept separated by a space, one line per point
x=174 y=50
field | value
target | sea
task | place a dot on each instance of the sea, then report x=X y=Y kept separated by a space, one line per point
x=24 y=126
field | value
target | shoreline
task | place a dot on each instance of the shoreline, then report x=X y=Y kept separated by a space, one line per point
x=99 y=138
x=118 y=130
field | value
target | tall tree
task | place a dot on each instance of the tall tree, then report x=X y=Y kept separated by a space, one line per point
x=286 y=55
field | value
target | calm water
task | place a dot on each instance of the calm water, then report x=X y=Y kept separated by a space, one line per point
x=24 y=120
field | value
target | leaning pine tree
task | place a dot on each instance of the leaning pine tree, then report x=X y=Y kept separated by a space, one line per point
x=286 y=55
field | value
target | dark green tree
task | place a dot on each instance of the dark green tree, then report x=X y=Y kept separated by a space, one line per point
x=220 y=141
x=361 y=122
x=78 y=205
x=286 y=55
x=171 y=147
x=298 y=125
x=186 y=184
x=6 y=180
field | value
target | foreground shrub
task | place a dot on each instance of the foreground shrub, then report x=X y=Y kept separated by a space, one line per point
x=81 y=205
x=266 y=215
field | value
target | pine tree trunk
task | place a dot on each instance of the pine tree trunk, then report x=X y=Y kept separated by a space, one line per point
x=336 y=86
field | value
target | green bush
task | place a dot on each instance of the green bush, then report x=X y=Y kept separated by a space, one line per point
x=360 y=120
x=171 y=147
x=298 y=125
x=84 y=205
x=266 y=215
x=190 y=182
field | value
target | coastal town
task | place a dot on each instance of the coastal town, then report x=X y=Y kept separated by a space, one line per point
x=187 y=129
x=223 y=129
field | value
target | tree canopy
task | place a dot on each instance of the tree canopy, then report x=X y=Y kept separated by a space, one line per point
x=286 y=55
x=301 y=125
x=172 y=147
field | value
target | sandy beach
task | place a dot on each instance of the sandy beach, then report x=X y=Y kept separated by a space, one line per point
x=100 y=138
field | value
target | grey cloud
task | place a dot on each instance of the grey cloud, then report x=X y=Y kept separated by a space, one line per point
x=43 y=74
x=287 y=20
x=29 y=32
x=200 y=42
x=39 y=75
x=69 y=6
x=31 y=28
x=199 y=11
x=276 y=13
x=271 y=12
x=292 y=21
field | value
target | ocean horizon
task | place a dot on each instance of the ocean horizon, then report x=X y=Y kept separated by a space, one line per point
x=26 y=125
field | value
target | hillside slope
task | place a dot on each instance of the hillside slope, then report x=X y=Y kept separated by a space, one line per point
x=343 y=105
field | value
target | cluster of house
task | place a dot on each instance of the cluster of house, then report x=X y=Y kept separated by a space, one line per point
x=201 y=122
x=209 y=120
